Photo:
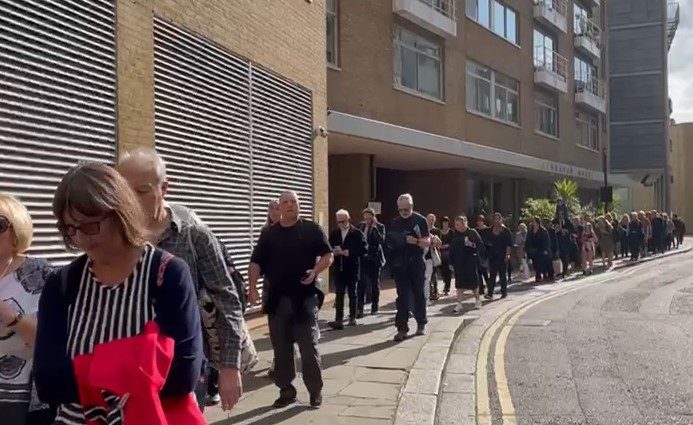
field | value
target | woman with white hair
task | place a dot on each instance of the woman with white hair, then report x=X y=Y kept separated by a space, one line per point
x=22 y=279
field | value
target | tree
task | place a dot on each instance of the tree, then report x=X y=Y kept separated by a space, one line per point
x=543 y=208
x=567 y=190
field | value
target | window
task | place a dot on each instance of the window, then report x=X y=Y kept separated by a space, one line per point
x=582 y=16
x=588 y=130
x=485 y=84
x=546 y=113
x=544 y=46
x=585 y=72
x=332 y=38
x=495 y=16
x=418 y=63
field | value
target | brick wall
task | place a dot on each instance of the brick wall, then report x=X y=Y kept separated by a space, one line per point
x=285 y=36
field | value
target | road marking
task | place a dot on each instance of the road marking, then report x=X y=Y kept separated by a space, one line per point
x=483 y=402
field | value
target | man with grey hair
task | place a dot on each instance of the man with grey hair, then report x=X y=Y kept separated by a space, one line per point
x=145 y=171
x=349 y=247
x=406 y=240
x=286 y=254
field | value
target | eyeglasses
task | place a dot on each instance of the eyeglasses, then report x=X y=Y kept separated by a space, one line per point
x=4 y=224
x=89 y=229
x=342 y=222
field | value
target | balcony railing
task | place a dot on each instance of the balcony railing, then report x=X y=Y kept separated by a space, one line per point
x=591 y=92
x=437 y=16
x=550 y=69
x=444 y=7
x=546 y=59
x=585 y=27
x=672 y=21
x=553 y=12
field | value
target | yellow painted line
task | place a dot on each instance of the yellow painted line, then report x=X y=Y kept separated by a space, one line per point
x=508 y=415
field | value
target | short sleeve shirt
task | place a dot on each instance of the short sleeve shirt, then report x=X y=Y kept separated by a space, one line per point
x=415 y=225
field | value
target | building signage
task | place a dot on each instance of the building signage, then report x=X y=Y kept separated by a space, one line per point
x=566 y=170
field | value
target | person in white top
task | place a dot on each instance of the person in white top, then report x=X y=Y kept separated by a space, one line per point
x=21 y=281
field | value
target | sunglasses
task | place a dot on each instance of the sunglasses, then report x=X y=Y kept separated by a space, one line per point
x=4 y=224
x=89 y=229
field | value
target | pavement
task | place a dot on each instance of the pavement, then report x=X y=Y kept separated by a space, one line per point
x=371 y=380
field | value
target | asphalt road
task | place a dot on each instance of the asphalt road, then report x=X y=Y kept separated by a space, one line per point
x=618 y=352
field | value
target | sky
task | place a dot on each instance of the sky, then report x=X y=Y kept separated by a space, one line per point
x=681 y=66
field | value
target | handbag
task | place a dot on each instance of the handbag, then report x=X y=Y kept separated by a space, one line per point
x=435 y=257
x=557 y=267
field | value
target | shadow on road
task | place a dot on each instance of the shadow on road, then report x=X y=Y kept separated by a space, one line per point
x=277 y=417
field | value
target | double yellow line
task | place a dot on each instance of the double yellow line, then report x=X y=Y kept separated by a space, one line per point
x=507 y=320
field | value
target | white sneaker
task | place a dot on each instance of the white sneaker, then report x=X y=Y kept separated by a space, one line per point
x=477 y=305
x=457 y=308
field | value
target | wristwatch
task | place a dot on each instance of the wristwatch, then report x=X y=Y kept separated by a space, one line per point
x=16 y=320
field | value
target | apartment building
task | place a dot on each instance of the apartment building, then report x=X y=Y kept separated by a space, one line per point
x=468 y=105
x=681 y=145
x=232 y=94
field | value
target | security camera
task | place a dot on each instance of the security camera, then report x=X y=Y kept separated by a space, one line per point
x=322 y=131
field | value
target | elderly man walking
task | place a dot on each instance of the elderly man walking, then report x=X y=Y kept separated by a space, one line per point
x=286 y=253
x=221 y=308
x=406 y=240
x=349 y=247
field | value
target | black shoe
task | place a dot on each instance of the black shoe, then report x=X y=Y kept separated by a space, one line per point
x=337 y=326
x=401 y=335
x=420 y=330
x=284 y=401
x=316 y=401
x=359 y=315
x=374 y=311
x=488 y=296
x=352 y=322
x=503 y=296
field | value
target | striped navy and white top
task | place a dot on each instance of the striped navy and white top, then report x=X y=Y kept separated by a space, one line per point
x=103 y=313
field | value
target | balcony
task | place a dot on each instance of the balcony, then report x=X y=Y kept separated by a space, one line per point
x=550 y=69
x=437 y=16
x=672 y=21
x=588 y=38
x=591 y=93
x=553 y=13
x=593 y=3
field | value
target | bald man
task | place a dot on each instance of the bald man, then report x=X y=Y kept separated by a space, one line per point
x=221 y=308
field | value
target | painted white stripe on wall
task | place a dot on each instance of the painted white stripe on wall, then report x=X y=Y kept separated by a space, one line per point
x=339 y=122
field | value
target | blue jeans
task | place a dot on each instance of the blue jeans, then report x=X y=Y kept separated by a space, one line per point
x=409 y=281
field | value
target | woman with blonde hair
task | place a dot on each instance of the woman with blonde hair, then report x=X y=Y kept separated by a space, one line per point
x=122 y=295
x=22 y=279
x=605 y=235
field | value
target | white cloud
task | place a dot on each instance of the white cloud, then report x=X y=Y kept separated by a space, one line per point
x=681 y=66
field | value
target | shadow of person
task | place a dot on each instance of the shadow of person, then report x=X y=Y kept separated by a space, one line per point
x=263 y=416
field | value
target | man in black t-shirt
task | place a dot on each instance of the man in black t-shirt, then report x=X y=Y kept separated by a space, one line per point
x=406 y=240
x=286 y=253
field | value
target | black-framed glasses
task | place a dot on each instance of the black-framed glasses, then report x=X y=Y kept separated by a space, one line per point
x=90 y=229
x=342 y=221
x=5 y=224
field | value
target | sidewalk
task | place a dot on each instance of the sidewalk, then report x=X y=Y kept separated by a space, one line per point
x=369 y=379
x=364 y=370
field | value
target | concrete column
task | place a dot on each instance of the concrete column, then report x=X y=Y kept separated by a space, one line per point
x=350 y=178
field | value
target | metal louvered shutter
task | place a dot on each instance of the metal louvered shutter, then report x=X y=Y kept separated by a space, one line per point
x=57 y=101
x=201 y=98
x=233 y=135
x=281 y=142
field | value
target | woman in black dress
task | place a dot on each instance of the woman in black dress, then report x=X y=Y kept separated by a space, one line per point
x=465 y=248
x=446 y=234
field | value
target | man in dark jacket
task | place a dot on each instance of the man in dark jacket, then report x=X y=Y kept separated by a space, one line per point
x=680 y=230
x=537 y=247
x=372 y=264
x=658 y=232
x=349 y=246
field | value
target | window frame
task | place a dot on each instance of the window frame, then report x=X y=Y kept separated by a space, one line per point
x=585 y=13
x=399 y=44
x=472 y=12
x=496 y=85
x=334 y=14
x=545 y=35
x=539 y=103
x=590 y=68
x=590 y=123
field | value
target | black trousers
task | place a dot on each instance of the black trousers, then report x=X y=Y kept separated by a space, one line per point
x=446 y=274
x=369 y=286
x=498 y=268
x=345 y=284
x=483 y=280
x=285 y=329
x=635 y=247
x=409 y=280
